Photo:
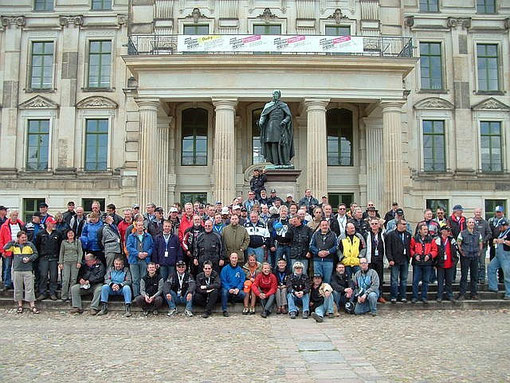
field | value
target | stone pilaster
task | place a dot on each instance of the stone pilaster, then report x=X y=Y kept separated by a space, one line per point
x=147 y=185
x=163 y=155
x=316 y=149
x=392 y=153
x=375 y=164
x=224 y=164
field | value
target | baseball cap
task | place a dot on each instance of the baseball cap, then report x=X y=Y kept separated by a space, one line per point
x=503 y=222
x=243 y=209
x=273 y=190
x=159 y=209
x=458 y=207
x=218 y=203
x=43 y=204
x=400 y=212
x=298 y=265
x=224 y=211
x=2 y=207
x=180 y=263
x=317 y=275
x=498 y=209
x=445 y=228
x=50 y=220
x=173 y=209
x=289 y=195
x=136 y=206
x=236 y=207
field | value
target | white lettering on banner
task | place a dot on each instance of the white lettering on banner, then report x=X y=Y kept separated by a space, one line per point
x=269 y=43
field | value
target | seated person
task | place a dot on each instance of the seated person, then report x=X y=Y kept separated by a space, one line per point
x=281 y=275
x=251 y=269
x=207 y=288
x=265 y=287
x=90 y=281
x=151 y=288
x=179 y=289
x=232 y=283
x=298 y=291
x=117 y=282
x=366 y=289
x=321 y=298
x=342 y=286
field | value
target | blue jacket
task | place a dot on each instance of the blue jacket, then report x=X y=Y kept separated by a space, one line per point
x=173 y=247
x=232 y=277
x=134 y=246
x=90 y=236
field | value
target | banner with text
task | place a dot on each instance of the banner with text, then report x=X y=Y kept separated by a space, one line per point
x=269 y=43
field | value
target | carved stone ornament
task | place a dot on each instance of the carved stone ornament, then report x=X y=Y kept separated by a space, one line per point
x=38 y=102
x=434 y=103
x=96 y=102
x=75 y=20
x=507 y=23
x=196 y=15
x=17 y=21
x=454 y=22
x=337 y=15
x=491 y=104
x=122 y=19
x=409 y=21
x=267 y=15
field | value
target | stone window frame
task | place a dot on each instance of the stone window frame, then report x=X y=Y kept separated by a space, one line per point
x=102 y=4
x=47 y=8
x=81 y=137
x=28 y=75
x=276 y=21
x=113 y=71
x=485 y=6
x=356 y=135
x=492 y=116
x=47 y=114
x=351 y=23
x=483 y=39
x=339 y=154
x=428 y=6
x=434 y=134
x=444 y=72
x=189 y=21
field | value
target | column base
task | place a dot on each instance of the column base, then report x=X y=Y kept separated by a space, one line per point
x=283 y=180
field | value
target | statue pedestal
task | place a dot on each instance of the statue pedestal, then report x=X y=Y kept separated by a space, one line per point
x=284 y=181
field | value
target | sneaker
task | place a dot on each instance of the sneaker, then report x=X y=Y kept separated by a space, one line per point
x=146 y=313
x=439 y=300
x=403 y=300
x=263 y=314
x=425 y=301
x=460 y=297
x=188 y=313
x=53 y=297
x=246 y=311
x=155 y=312
x=172 y=312
x=316 y=316
x=506 y=297
x=305 y=314
x=252 y=310
x=331 y=315
x=293 y=315
x=206 y=315
x=42 y=297
x=75 y=310
x=393 y=301
x=373 y=313
x=414 y=300
x=225 y=314
x=493 y=291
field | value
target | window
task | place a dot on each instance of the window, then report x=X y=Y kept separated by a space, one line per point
x=101 y=5
x=490 y=206
x=38 y=138
x=340 y=137
x=257 y=156
x=431 y=67
x=267 y=29
x=429 y=5
x=200 y=29
x=30 y=206
x=86 y=203
x=43 y=5
x=434 y=204
x=193 y=197
x=488 y=71
x=100 y=55
x=41 y=68
x=194 y=137
x=336 y=199
x=338 y=30
x=96 y=144
x=434 y=156
x=490 y=145
x=486 y=6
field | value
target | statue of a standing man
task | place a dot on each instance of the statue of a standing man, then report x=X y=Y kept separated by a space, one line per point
x=276 y=133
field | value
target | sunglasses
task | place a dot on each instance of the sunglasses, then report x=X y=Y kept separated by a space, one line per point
x=363 y=263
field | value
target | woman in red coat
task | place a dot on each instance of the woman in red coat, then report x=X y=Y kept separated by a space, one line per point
x=9 y=232
x=264 y=287
x=423 y=252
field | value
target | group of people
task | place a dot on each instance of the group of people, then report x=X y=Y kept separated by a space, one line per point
x=290 y=257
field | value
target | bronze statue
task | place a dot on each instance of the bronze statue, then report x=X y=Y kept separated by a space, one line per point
x=276 y=133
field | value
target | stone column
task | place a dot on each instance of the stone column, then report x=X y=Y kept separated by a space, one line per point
x=224 y=155
x=392 y=151
x=162 y=154
x=148 y=162
x=375 y=165
x=316 y=147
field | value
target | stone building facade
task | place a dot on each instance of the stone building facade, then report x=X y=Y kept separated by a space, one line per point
x=97 y=101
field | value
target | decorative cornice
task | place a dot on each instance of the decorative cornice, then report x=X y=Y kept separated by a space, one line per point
x=38 y=102
x=337 y=16
x=454 y=22
x=16 y=21
x=434 y=103
x=267 y=15
x=96 y=102
x=491 y=104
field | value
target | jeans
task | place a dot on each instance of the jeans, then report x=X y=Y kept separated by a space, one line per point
x=172 y=304
x=165 y=271
x=303 y=261
x=370 y=304
x=468 y=264
x=326 y=307
x=379 y=269
x=267 y=304
x=44 y=266
x=293 y=300
x=324 y=268
x=481 y=265
x=138 y=270
x=500 y=261
x=6 y=271
x=125 y=291
x=226 y=296
x=421 y=273
x=282 y=251
x=258 y=251
x=351 y=270
x=445 y=278
x=399 y=271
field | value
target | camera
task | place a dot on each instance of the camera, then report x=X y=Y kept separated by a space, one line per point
x=360 y=293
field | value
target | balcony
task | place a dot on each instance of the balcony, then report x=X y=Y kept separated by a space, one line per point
x=371 y=46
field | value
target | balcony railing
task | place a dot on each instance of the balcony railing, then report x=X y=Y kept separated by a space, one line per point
x=379 y=46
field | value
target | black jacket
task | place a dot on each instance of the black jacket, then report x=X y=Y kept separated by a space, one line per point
x=339 y=282
x=298 y=283
x=281 y=277
x=334 y=225
x=396 y=250
x=214 y=282
x=439 y=260
x=94 y=274
x=209 y=248
x=300 y=237
x=172 y=283
x=316 y=299
x=48 y=244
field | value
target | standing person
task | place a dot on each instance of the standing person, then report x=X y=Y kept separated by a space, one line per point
x=432 y=225
x=43 y=209
x=235 y=239
x=151 y=288
x=309 y=201
x=280 y=239
x=117 y=282
x=265 y=287
x=281 y=273
x=9 y=232
x=391 y=214
x=392 y=225
x=174 y=219
x=470 y=245
x=366 y=289
x=190 y=240
x=232 y=282
x=251 y=202
x=357 y=220
x=351 y=249
x=298 y=291
x=333 y=222
x=446 y=261
x=48 y=243
x=316 y=219
x=111 y=241
x=259 y=237
x=342 y=219
x=440 y=218
x=482 y=226
x=91 y=236
x=140 y=246
x=155 y=227
x=257 y=182
x=111 y=211
x=185 y=223
x=208 y=285
x=323 y=246
x=23 y=254
x=300 y=237
x=179 y=288
x=457 y=221
x=375 y=252
x=209 y=248
x=69 y=213
x=398 y=248
x=69 y=262
x=499 y=214
x=78 y=221
x=167 y=251
x=61 y=225
x=502 y=259
x=218 y=225
x=34 y=227
x=423 y=252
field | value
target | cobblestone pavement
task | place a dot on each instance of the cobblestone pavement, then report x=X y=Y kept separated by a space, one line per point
x=453 y=345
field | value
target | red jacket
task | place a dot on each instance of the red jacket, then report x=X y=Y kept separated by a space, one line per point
x=185 y=223
x=264 y=284
x=6 y=237
x=422 y=248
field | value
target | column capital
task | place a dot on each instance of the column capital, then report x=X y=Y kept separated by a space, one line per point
x=391 y=105
x=147 y=103
x=316 y=103
x=224 y=103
